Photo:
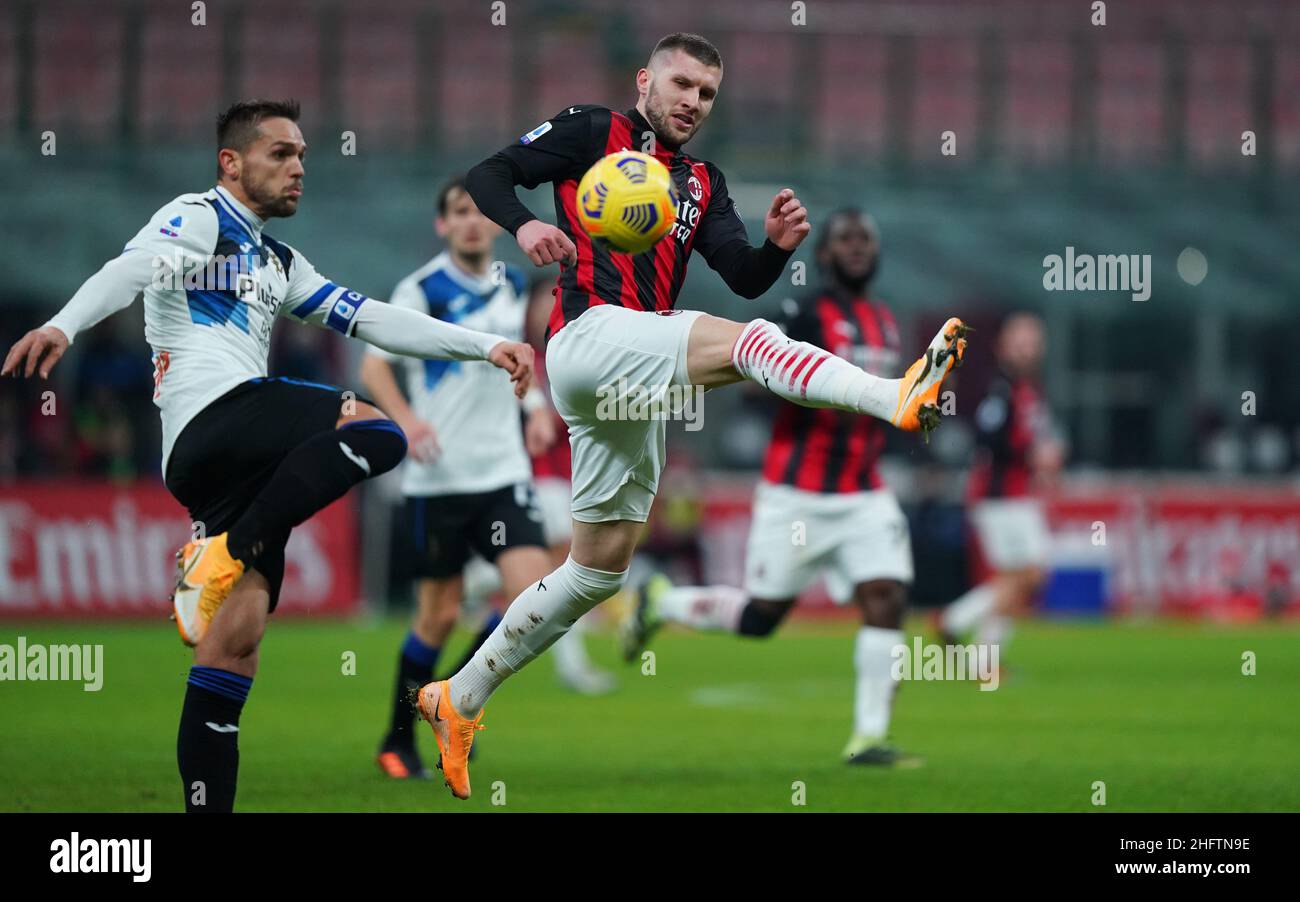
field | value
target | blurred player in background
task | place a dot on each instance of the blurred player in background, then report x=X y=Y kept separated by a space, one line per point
x=468 y=483
x=250 y=456
x=614 y=324
x=821 y=507
x=1018 y=451
x=552 y=469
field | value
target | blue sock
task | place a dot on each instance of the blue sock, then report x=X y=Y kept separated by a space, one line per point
x=414 y=669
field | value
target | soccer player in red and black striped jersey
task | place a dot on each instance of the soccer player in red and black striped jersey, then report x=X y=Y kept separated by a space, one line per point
x=1017 y=451
x=821 y=507
x=614 y=331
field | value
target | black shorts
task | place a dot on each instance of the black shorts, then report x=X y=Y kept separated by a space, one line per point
x=447 y=529
x=225 y=455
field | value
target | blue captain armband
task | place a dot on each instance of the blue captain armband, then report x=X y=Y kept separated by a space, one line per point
x=343 y=311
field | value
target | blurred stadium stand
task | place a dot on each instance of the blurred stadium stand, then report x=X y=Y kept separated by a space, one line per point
x=1125 y=139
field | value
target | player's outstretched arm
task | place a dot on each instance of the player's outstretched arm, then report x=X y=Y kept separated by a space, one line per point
x=414 y=334
x=560 y=148
x=492 y=185
x=313 y=299
x=111 y=289
x=181 y=233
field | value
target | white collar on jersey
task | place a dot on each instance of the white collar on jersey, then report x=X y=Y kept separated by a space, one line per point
x=470 y=282
x=239 y=211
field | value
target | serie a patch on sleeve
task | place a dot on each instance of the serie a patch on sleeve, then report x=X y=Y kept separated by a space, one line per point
x=536 y=133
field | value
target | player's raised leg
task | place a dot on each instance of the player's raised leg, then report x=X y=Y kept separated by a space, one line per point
x=311 y=476
x=722 y=352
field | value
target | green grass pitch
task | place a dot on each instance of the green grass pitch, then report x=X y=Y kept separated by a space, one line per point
x=1161 y=713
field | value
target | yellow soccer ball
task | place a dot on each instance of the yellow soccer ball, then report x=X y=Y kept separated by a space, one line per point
x=627 y=201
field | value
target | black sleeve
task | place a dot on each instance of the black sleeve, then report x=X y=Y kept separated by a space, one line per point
x=798 y=320
x=724 y=243
x=993 y=421
x=562 y=147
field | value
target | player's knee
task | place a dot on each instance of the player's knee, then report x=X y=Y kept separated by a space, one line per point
x=378 y=445
x=882 y=602
x=759 y=619
x=234 y=651
x=589 y=584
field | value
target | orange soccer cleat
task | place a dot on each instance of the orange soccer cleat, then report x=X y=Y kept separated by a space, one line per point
x=205 y=575
x=455 y=734
x=918 y=393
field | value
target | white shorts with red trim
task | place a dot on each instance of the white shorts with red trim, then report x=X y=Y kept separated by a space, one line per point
x=617 y=375
x=849 y=537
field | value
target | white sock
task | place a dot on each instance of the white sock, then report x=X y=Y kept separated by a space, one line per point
x=569 y=652
x=969 y=610
x=704 y=607
x=994 y=629
x=873 y=697
x=808 y=375
x=540 y=615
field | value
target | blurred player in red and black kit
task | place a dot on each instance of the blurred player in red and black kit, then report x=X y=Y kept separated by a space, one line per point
x=1018 y=451
x=614 y=327
x=820 y=471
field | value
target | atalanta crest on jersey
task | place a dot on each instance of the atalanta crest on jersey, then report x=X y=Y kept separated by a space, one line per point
x=536 y=133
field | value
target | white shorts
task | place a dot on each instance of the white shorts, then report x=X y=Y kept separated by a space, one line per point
x=1013 y=532
x=797 y=535
x=553 y=496
x=603 y=366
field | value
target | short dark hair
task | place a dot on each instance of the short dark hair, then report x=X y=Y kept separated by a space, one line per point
x=692 y=45
x=237 y=126
x=455 y=183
